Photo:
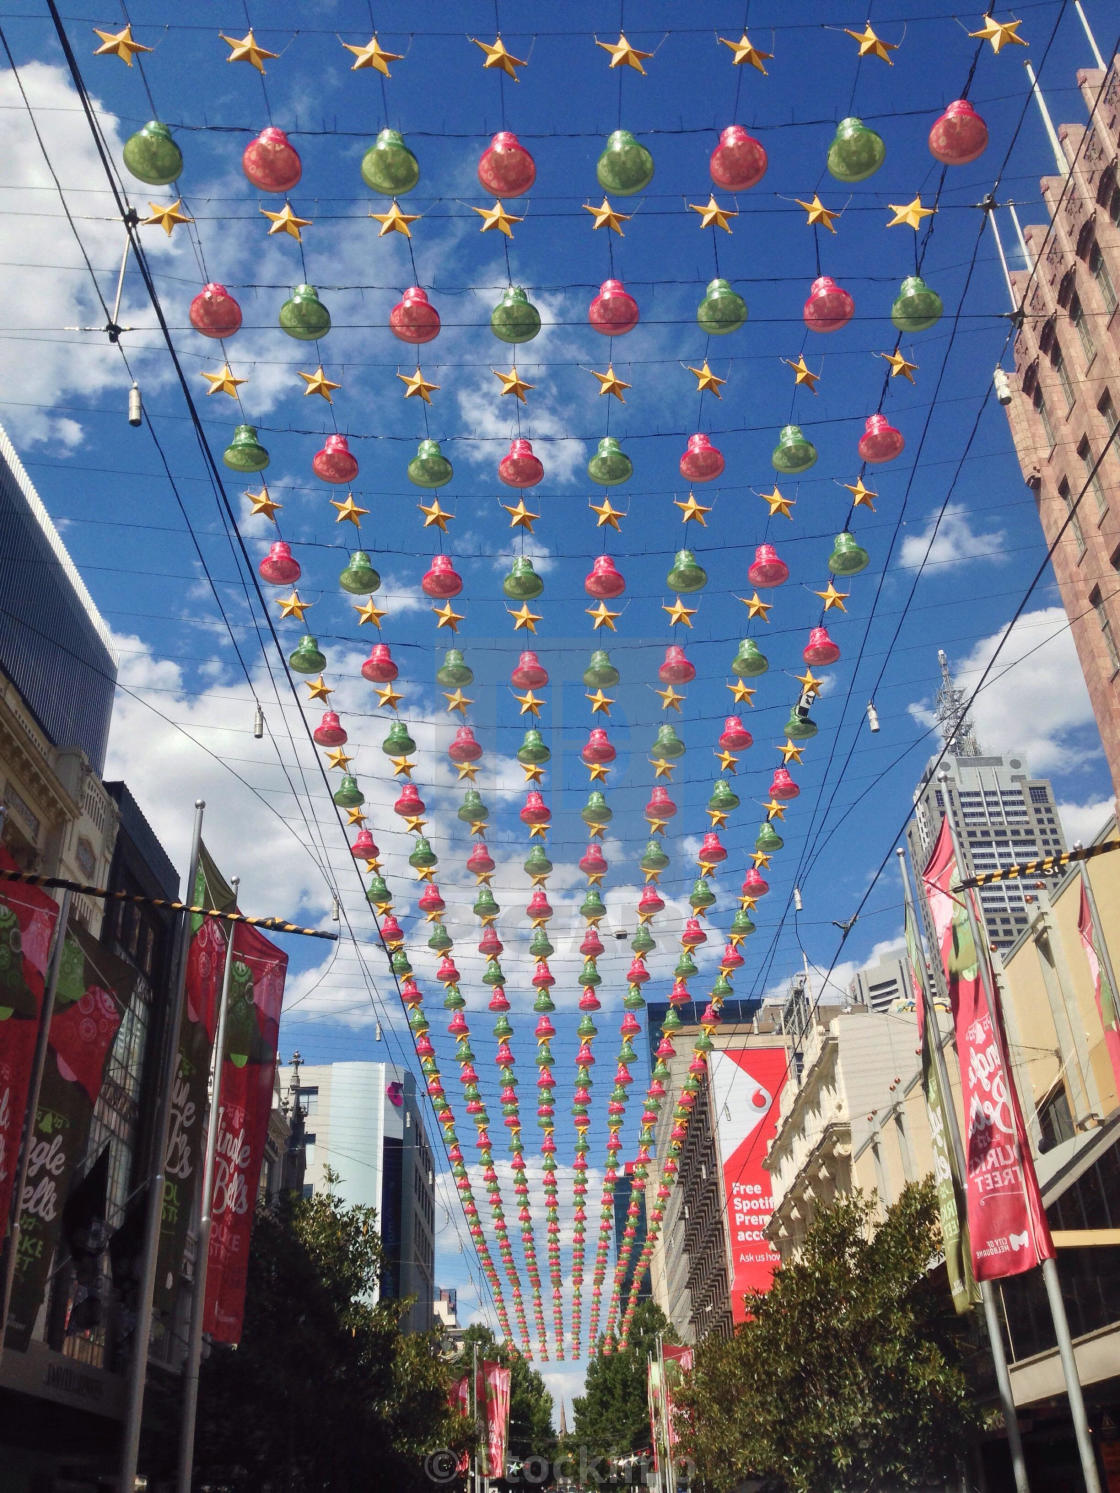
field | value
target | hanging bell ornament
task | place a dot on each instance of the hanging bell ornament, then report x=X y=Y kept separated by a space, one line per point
x=782 y=786
x=596 y=810
x=530 y=673
x=723 y=797
x=429 y=467
x=754 y=883
x=414 y=319
x=675 y=668
x=359 y=577
x=642 y=943
x=593 y=862
x=959 y=136
x=441 y=580
x=453 y=671
x=880 y=440
x=856 y=152
x=519 y=467
x=738 y=161
x=750 y=660
x=245 y=453
x=330 y=731
x=486 y=906
x=701 y=461
x=742 y=923
x=348 y=795
x=533 y=750
x=214 y=312
x=722 y=310
x=408 y=802
x=667 y=743
x=535 y=811
x=422 y=855
x=152 y=156
x=506 y=168
x=687 y=574
x=335 y=462
x=379 y=667
x=591 y=945
x=472 y=809
x=279 y=567
x=604 y=582
x=464 y=747
x=270 y=162
x=614 y=311
x=767 y=569
x=389 y=167
x=515 y=318
x=480 y=861
x=398 y=743
x=600 y=672
x=820 y=649
x=916 y=307
x=522 y=583
x=303 y=315
x=793 y=454
x=539 y=946
x=799 y=727
x=625 y=166
x=848 y=557
x=610 y=465
x=598 y=747
x=660 y=805
x=712 y=852
x=829 y=306
x=734 y=737
x=537 y=863
x=364 y=846
x=653 y=857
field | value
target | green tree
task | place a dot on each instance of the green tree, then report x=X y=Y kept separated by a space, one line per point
x=850 y=1373
x=612 y=1415
x=530 y=1404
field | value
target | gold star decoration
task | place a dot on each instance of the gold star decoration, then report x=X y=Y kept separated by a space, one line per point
x=833 y=598
x=394 y=221
x=524 y=618
x=373 y=55
x=118 y=44
x=467 y=770
x=761 y=859
x=742 y=694
x=756 y=607
x=349 y=511
x=456 y=700
x=718 y=818
x=909 y=214
x=447 y=617
x=597 y=772
x=727 y=760
x=607 y=217
x=414 y=824
x=402 y=767
x=286 y=222
x=899 y=366
x=816 y=212
x=706 y=380
x=679 y=614
x=871 y=46
x=742 y=51
x=670 y=698
x=607 y=514
x=416 y=386
x=1000 y=33
x=801 y=373
x=692 y=511
x=774 y=809
x=223 y=382
x=610 y=383
x=861 y=496
x=602 y=616
x=388 y=696
x=534 y=772
x=320 y=690
x=712 y=215
x=520 y=517
x=529 y=703
x=513 y=383
x=435 y=516
x=291 y=606
x=496 y=217
x=246 y=49
x=497 y=56
x=356 y=815
x=810 y=684
x=370 y=612
x=747 y=902
x=623 y=54
x=600 y=703
x=778 y=504
x=337 y=757
x=167 y=217
x=791 y=752
x=662 y=767
x=319 y=383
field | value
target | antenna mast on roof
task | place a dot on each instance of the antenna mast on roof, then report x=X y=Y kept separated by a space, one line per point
x=957 y=731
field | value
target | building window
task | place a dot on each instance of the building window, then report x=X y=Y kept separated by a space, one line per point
x=1099 y=271
x=1107 y=411
x=1096 y=601
x=1058 y=364
x=1092 y=475
x=1043 y=414
x=1055 y=1121
x=1074 y=521
x=1081 y=327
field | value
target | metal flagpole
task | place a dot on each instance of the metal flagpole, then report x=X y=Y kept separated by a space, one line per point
x=987 y=1292
x=666 y=1413
x=474 y=1412
x=1049 y=1267
x=138 y=1371
x=198 y=1297
x=38 y=1063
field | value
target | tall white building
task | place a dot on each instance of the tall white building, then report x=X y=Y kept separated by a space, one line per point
x=362 y=1123
x=879 y=986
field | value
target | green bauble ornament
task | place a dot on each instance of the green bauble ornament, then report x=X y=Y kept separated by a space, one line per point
x=596 y=810
x=486 y=904
x=539 y=945
x=667 y=743
x=152 y=156
x=245 y=453
x=856 y=152
x=800 y=727
x=768 y=839
x=515 y=318
x=687 y=573
x=633 y=1000
x=848 y=557
x=653 y=858
x=592 y=905
x=306 y=659
x=741 y=923
x=750 y=661
x=522 y=583
x=453 y=671
x=610 y=465
x=589 y=975
x=398 y=743
x=793 y=454
x=359 y=576
x=378 y=889
x=537 y=863
x=429 y=467
x=722 y=310
x=439 y=940
x=492 y=975
x=532 y=749
x=502 y=1028
x=303 y=315
x=400 y=963
x=625 y=166
x=600 y=672
x=724 y=798
x=348 y=795
x=543 y=1003
x=472 y=810
x=701 y=895
x=422 y=855
x=643 y=941
x=722 y=989
x=389 y=167
x=917 y=308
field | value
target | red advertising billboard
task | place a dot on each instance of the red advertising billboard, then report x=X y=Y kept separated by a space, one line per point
x=746 y=1087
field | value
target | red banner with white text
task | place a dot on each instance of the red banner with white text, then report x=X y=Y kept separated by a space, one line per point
x=678 y=1363
x=497 y=1380
x=248 y=1073
x=1007 y=1225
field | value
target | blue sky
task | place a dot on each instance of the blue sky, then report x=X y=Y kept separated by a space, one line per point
x=184 y=726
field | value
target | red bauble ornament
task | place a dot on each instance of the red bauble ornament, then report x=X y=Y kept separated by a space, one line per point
x=734 y=737
x=379 y=667
x=693 y=935
x=591 y=947
x=767 y=569
x=364 y=846
x=278 y=567
x=820 y=649
x=598 y=748
x=593 y=862
x=605 y=582
x=519 y=467
x=441 y=580
x=676 y=669
x=414 y=319
x=738 y=161
x=613 y=311
x=330 y=731
x=651 y=900
x=782 y=786
x=880 y=440
x=335 y=462
x=270 y=162
x=959 y=136
x=702 y=461
x=408 y=801
x=530 y=673
x=829 y=306
x=536 y=811
x=506 y=168
x=480 y=861
x=214 y=312
x=712 y=851
x=464 y=748
x=660 y=805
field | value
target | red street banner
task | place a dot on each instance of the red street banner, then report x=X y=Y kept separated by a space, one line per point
x=459 y=1398
x=678 y=1362
x=1006 y=1223
x=27 y=920
x=248 y=1072
x=747 y=1083
x=497 y=1418
x=1106 y=997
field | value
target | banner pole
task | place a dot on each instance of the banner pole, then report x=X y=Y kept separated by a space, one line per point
x=1049 y=1266
x=130 y=1440
x=205 y=1219
x=987 y=1291
x=38 y=1064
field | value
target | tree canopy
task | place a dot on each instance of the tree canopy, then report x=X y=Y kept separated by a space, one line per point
x=850 y=1373
x=530 y=1404
x=611 y=1416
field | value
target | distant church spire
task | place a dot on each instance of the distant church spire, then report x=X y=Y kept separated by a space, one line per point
x=563 y=1418
x=957 y=731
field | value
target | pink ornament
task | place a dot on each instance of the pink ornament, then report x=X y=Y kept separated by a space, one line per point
x=464 y=748
x=536 y=811
x=738 y=161
x=755 y=884
x=506 y=168
x=593 y=862
x=613 y=311
x=530 y=673
x=712 y=851
x=651 y=900
x=408 y=802
x=660 y=805
x=598 y=748
x=270 y=162
x=767 y=569
x=480 y=861
x=605 y=581
x=379 y=667
x=782 y=786
x=335 y=462
x=364 y=847
x=414 y=319
x=959 y=136
x=519 y=467
x=278 y=567
x=734 y=737
x=214 y=312
x=693 y=935
x=702 y=461
x=441 y=580
x=880 y=440
x=820 y=649
x=329 y=732
x=829 y=307
x=676 y=668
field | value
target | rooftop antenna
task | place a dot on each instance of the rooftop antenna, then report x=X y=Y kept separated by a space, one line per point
x=957 y=731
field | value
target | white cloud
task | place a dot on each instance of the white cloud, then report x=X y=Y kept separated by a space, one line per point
x=1083 y=822
x=955 y=542
x=833 y=990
